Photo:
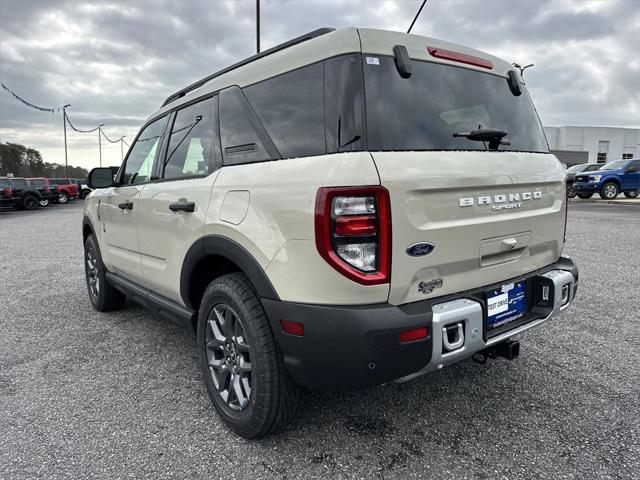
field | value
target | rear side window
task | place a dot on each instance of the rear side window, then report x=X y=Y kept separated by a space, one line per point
x=20 y=183
x=37 y=183
x=344 y=104
x=191 y=152
x=243 y=137
x=290 y=107
x=4 y=183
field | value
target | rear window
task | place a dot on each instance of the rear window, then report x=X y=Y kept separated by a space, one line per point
x=424 y=111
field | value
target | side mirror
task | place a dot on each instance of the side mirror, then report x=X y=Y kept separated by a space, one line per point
x=100 y=178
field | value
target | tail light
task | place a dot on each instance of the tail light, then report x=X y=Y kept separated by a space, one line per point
x=8 y=191
x=353 y=232
x=460 y=57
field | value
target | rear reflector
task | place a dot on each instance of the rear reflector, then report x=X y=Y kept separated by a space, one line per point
x=292 y=328
x=414 y=334
x=460 y=57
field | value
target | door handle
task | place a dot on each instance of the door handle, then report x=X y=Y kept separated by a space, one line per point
x=183 y=206
x=125 y=205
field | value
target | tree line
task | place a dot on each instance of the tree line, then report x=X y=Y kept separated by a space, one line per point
x=23 y=161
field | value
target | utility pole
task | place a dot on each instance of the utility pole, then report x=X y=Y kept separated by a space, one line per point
x=257 y=26
x=100 y=141
x=64 y=124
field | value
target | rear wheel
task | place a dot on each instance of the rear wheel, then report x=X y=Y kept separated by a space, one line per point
x=585 y=196
x=609 y=191
x=63 y=198
x=571 y=193
x=631 y=194
x=44 y=203
x=103 y=296
x=240 y=360
x=30 y=202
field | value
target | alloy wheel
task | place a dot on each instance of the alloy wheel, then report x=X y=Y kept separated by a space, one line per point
x=610 y=191
x=93 y=279
x=228 y=356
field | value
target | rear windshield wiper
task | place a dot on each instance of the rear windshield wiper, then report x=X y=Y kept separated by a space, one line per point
x=492 y=135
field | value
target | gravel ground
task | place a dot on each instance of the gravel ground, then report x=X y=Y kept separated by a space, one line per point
x=91 y=395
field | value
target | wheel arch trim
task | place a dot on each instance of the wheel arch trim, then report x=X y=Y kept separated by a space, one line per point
x=217 y=245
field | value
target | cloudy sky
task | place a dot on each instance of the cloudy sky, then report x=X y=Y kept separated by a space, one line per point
x=115 y=62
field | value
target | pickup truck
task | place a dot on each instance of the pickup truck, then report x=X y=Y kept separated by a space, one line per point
x=619 y=176
x=67 y=189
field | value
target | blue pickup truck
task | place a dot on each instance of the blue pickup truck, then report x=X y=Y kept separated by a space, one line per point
x=619 y=176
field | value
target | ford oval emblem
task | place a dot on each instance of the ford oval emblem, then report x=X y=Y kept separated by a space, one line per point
x=420 y=249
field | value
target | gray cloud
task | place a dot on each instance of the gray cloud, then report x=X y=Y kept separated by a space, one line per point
x=115 y=62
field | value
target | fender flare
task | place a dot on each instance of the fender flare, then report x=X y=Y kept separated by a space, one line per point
x=86 y=222
x=210 y=245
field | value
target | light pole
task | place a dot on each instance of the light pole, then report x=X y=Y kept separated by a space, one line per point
x=257 y=26
x=122 y=148
x=64 y=125
x=100 y=141
x=522 y=69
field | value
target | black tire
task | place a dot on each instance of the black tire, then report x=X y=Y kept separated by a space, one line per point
x=585 y=196
x=571 y=193
x=105 y=298
x=273 y=399
x=30 y=202
x=609 y=191
x=632 y=194
x=63 y=198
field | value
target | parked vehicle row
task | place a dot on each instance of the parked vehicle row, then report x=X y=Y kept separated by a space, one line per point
x=609 y=180
x=31 y=193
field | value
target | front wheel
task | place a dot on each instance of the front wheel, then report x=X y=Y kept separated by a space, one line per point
x=63 y=198
x=609 y=191
x=585 y=196
x=240 y=360
x=103 y=296
x=632 y=194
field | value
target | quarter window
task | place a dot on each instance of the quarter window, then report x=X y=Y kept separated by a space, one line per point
x=190 y=152
x=243 y=137
x=290 y=107
x=143 y=153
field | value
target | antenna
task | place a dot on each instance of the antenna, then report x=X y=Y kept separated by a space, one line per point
x=417 y=15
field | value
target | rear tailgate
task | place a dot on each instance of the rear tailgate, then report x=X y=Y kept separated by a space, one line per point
x=490 y=216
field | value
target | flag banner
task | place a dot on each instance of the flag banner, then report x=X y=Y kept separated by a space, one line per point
x=28 y=104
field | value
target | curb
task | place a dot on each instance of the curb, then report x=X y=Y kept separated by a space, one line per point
x=630 y=201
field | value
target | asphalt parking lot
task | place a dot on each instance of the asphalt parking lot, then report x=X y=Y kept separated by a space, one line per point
x=88 y=395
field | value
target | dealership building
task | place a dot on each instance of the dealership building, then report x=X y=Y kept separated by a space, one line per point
x=573 y=145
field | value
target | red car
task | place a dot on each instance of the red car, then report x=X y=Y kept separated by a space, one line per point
x=67 y=189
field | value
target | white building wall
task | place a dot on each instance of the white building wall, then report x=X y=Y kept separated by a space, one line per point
x=586 y=139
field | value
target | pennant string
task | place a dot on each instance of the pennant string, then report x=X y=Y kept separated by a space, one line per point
x=28 y=104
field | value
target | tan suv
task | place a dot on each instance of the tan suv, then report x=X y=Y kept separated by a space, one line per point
x=349 y=208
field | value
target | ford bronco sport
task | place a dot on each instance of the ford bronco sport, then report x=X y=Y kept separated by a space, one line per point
x=349 y=208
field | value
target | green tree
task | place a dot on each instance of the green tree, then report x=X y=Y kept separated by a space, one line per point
x=23 y=161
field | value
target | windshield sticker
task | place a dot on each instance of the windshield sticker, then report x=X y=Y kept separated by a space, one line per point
x=373 y=61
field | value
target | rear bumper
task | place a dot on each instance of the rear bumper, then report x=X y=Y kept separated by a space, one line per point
x=348 y=348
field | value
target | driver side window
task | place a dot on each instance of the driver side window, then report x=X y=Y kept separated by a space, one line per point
x=141 y=158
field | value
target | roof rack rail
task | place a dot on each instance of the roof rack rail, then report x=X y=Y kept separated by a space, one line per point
x=302 y=38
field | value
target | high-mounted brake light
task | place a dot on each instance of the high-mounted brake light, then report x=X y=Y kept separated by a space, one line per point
x=460 y=57
x=353 y=232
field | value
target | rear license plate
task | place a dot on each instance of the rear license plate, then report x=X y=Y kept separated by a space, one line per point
x=505 y=304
